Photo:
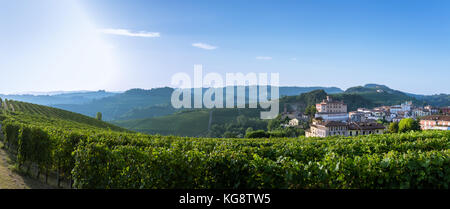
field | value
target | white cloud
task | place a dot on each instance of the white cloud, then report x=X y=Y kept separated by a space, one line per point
x=263 y=58
x=124 y=32
x=293 y=59
x=204 y=46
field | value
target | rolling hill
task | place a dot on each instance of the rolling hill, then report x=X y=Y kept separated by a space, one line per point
x=118 y=105
x=52 y=98
x=140 y=103
x=381 y=95
x=195 y=122
x=33 y=112
x=188 y=122
x=150 y=111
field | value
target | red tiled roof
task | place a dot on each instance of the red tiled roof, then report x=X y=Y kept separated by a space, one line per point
x=436 y=117
x=365 y=126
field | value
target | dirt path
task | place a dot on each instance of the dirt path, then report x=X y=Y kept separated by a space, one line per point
x=13 y=180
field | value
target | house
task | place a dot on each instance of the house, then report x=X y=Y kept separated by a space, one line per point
x=365 y=115
x=355 y=128
x=420 y=112
x=338 y=128
x=431 y=109
x=294 y=122
x=435 y=122
x=403 y=107
x=445 y=110
x=395 y=109
x=377 y=115
x=382 y=108
x=327 y=128
x=330 y=110
x=357 y=116
x=406 y=106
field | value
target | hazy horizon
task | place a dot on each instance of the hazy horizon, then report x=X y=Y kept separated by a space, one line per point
x=56 y=92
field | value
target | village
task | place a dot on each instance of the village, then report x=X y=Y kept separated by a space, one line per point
x=332 y=118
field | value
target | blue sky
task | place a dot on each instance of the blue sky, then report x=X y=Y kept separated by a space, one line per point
x=49 y=45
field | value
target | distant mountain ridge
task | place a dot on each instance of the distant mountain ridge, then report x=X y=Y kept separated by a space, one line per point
x=194 y=122
x=150 y=111
x=60 y=97
x=382 y=92
x=141 y=103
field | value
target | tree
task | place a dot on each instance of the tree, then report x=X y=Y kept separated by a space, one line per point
x=393 y=127
x=275 y=123
x=311 y=111
x=99 y=116
x=257 y=134
x=408 y=124
x=249 y=129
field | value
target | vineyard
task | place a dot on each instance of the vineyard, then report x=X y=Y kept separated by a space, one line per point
x=49 y=113
x=97 y=156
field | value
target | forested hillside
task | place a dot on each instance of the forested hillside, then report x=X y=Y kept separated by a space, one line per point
x=141 y=104
x=226 y=122
x=121 y=104
x=150 y=111
x=52 y=98
x=144 y=104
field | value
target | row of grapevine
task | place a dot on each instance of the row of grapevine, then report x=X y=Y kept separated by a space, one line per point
x=27 y=109
x=96 y=158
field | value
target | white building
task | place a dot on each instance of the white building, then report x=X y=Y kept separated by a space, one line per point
x=294 y=122
x=435 y=122
x=419 y=112
x=330 y=110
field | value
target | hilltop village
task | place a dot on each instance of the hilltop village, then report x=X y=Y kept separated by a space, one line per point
x=332 y=118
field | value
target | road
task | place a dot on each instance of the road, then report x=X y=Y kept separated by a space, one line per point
x=12 y=180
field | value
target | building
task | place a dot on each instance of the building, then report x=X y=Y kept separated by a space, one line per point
x=395 y=109
x=445 y=110
x=435 y=122
x=382 y=108
x=419 y=112
x=327 y=128
x=355 y=128
x=365 y=115
x=330 y=110
x=330 y=106
x=403 y=107
x=406 y=106
x=338 y=128
x=357 y=116
x=377 y=115
x=294 y=122
x=432 y=110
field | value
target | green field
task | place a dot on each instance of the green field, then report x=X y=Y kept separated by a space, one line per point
x=186 y=123
x=45 y=114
